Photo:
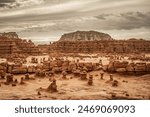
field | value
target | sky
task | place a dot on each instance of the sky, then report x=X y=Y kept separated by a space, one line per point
x=46 y=20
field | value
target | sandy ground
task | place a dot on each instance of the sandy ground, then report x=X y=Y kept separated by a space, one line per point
x=132 y=88
x=2 y=60
x=129 y=87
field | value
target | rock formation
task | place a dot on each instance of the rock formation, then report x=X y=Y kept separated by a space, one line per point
x=52 y=87
x=75 y=42
x=85 y=36
x=128 y=68
x=102 y=75
x=90 y=81
x=10 y=35
x=96 y=42
x=102 y=46
x=10 y=43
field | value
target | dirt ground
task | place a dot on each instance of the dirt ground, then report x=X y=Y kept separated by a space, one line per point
x=129 y=87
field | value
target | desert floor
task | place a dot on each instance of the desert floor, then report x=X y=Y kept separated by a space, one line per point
x=129 y=87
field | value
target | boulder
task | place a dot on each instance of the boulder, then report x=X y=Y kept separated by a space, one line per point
x=115 y=83
x=130 y=68
x=72 y=66
x=20 y=70
x=111 y=67
x=65 y=66
x=140 y=68
x=9 y=78
x=59 y=62
x=89 y=66
x=148 y=67
x=64 y=74
x=2 y=74
x=52 y=87
x=83 y=75
x=40 y=73
x=46 y=66
x=76 y=73
x=9 y=68
x=105 y=68
x=80 y=64
x=31 y=69
x=57 y=69
x=96 y=66
x=90 y=81
x=121 y=70
x=118 y=64
x=3 y=66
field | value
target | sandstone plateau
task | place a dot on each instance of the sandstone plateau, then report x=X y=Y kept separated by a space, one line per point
x=85 y=36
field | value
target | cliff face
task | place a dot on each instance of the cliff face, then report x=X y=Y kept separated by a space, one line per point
x=10 y=35
x=114 y=46
x=10 y=43
x=85 y=36
x=95 y=42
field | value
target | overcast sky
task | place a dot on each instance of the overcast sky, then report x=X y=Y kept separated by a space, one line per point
x=47 y=20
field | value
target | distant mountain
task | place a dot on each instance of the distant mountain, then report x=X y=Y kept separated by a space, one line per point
x=85 y=36
x=10 y=35
x=134 y=39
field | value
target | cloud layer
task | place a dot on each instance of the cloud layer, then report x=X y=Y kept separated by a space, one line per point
x=49 y=19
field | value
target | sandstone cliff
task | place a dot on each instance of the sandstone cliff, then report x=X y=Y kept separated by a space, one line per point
x=113 y=46
x=10 y=35
x=95 y=42
x=10 y=43
x=85 y=36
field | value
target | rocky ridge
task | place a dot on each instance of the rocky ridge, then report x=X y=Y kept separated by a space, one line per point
x=10 y=35
x=10 y=43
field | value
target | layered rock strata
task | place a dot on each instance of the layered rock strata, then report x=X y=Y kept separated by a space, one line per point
x=112 y=46
x=10 y=43
x=85 y=36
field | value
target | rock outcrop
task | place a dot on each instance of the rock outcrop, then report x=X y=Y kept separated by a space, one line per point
x=102 y=46
x=125 y=67
x=10 y=43
x=10 y=35
x=85 y=36
x=95 y=42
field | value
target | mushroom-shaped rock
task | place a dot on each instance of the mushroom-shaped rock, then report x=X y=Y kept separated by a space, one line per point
x=52 y=87
x=90 y=81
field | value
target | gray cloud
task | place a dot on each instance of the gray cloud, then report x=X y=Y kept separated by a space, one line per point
x=136 y=20
x=51 y=18
x=102 y=16
x=7 y=3
x=129 y=20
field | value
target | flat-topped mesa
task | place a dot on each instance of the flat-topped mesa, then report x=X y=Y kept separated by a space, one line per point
x=135 y=39
x=85 y=36
x=103 y=45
